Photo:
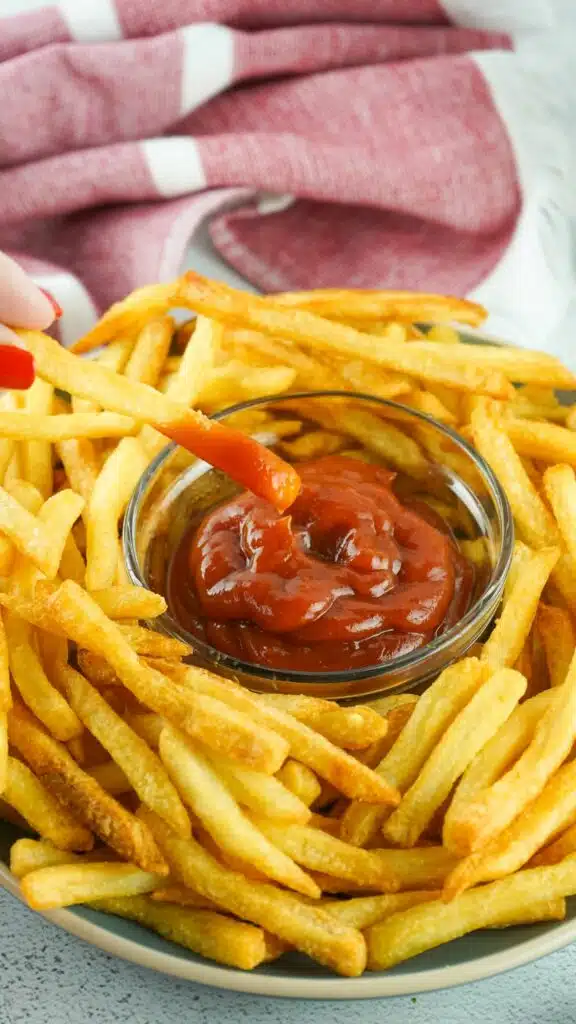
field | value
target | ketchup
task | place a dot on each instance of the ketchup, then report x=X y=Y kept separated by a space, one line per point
x=348 y=578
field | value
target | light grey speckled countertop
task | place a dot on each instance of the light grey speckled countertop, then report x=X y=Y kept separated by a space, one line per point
x=49 y=977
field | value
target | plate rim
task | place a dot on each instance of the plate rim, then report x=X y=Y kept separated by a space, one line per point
x=368 y=986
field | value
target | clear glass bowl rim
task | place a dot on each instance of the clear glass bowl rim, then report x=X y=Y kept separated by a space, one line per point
x=407 y=662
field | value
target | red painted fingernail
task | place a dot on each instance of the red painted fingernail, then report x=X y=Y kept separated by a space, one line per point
x=16 y=368
x=57 y=309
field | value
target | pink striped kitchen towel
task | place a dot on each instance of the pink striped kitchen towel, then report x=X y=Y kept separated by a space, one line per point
x=398 y=143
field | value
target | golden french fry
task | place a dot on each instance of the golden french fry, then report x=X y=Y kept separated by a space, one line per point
x=111 y=494
x=33 y=801
x=205 y=932
x=496 y=905
x=435 y=711
x=562 y=847
x=36 y=690
x=318 y=851
x=345 y=772
x=308 y=928
x=505 y=642
x=237 y=309
x=559 y=639
x=147 y=357
x=545 y=441
x=129 y=602
x=183 y=897
x=263 y=794
x=40 y=538
x=141 y=766
x=207 y=796
x=300 y=780
x=5 y=692
x=490 y=763
x=28 y=855
x=110 y=777
x=365 y=304
x=37 y=455
x=3 y=750
x=550 y=812
x=65 y=884
x=354 y=728
x=76 y=790
x=429 y=403
x=128 y=316
x=72 y=565
x=443 y=333
x=365 y=911
x=209 y=720
x=43 y=429
x=471 y=729
x=491 y=810
x=81 y=464
x=154 y=645
x=259 y=469
x=314 y=444
x=560 y=489
x=531 y=515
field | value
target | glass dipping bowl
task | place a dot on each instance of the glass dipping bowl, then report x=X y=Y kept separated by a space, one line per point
x=432 y=464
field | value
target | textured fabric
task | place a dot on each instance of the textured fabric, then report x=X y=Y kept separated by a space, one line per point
x=331 y=143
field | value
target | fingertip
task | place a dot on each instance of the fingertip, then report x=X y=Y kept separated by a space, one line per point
x=22 y=303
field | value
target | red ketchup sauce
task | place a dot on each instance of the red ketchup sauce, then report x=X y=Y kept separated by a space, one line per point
x=348 y=577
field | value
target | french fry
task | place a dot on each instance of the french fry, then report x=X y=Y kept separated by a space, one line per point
x=300 y=780
x=553 y=810
x=314 y=444
x=154 y=645
x=5 y=691
x=66 y=884
x=72 y=565
x=112 y=491
x=3 y=750
x=490 y=706
x=505 y=643
x=497 y=905
x=128 y=316
x=365 y=911
x=236 y=309
x=559 y=639
x=562 y=847
x=491 y=810
x=81 y=464
x=530 y=514
x=40 y=538
x=149 y=726
x=129 y=602
x=110 y=777
x=365 y=304
x=36 y=690
x=28 y=855
x=560 y=489
x=33 y=801
x=209 y=934
x=207 y=796
x=37 y=455
x=318 y=851
x=263 y=794
x=310 y=929
x=209 y=720
x=347 y=774
x=353 y=728
x=148 y=354
x=182 y=896
x=495 y=758
x=141 y=766
x=80 y=793
x=36 y=429
x=435 y=711
x=545 y=441
x=255 y=467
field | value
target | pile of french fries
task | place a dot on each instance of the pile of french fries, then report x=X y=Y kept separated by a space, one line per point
x=242 y=825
